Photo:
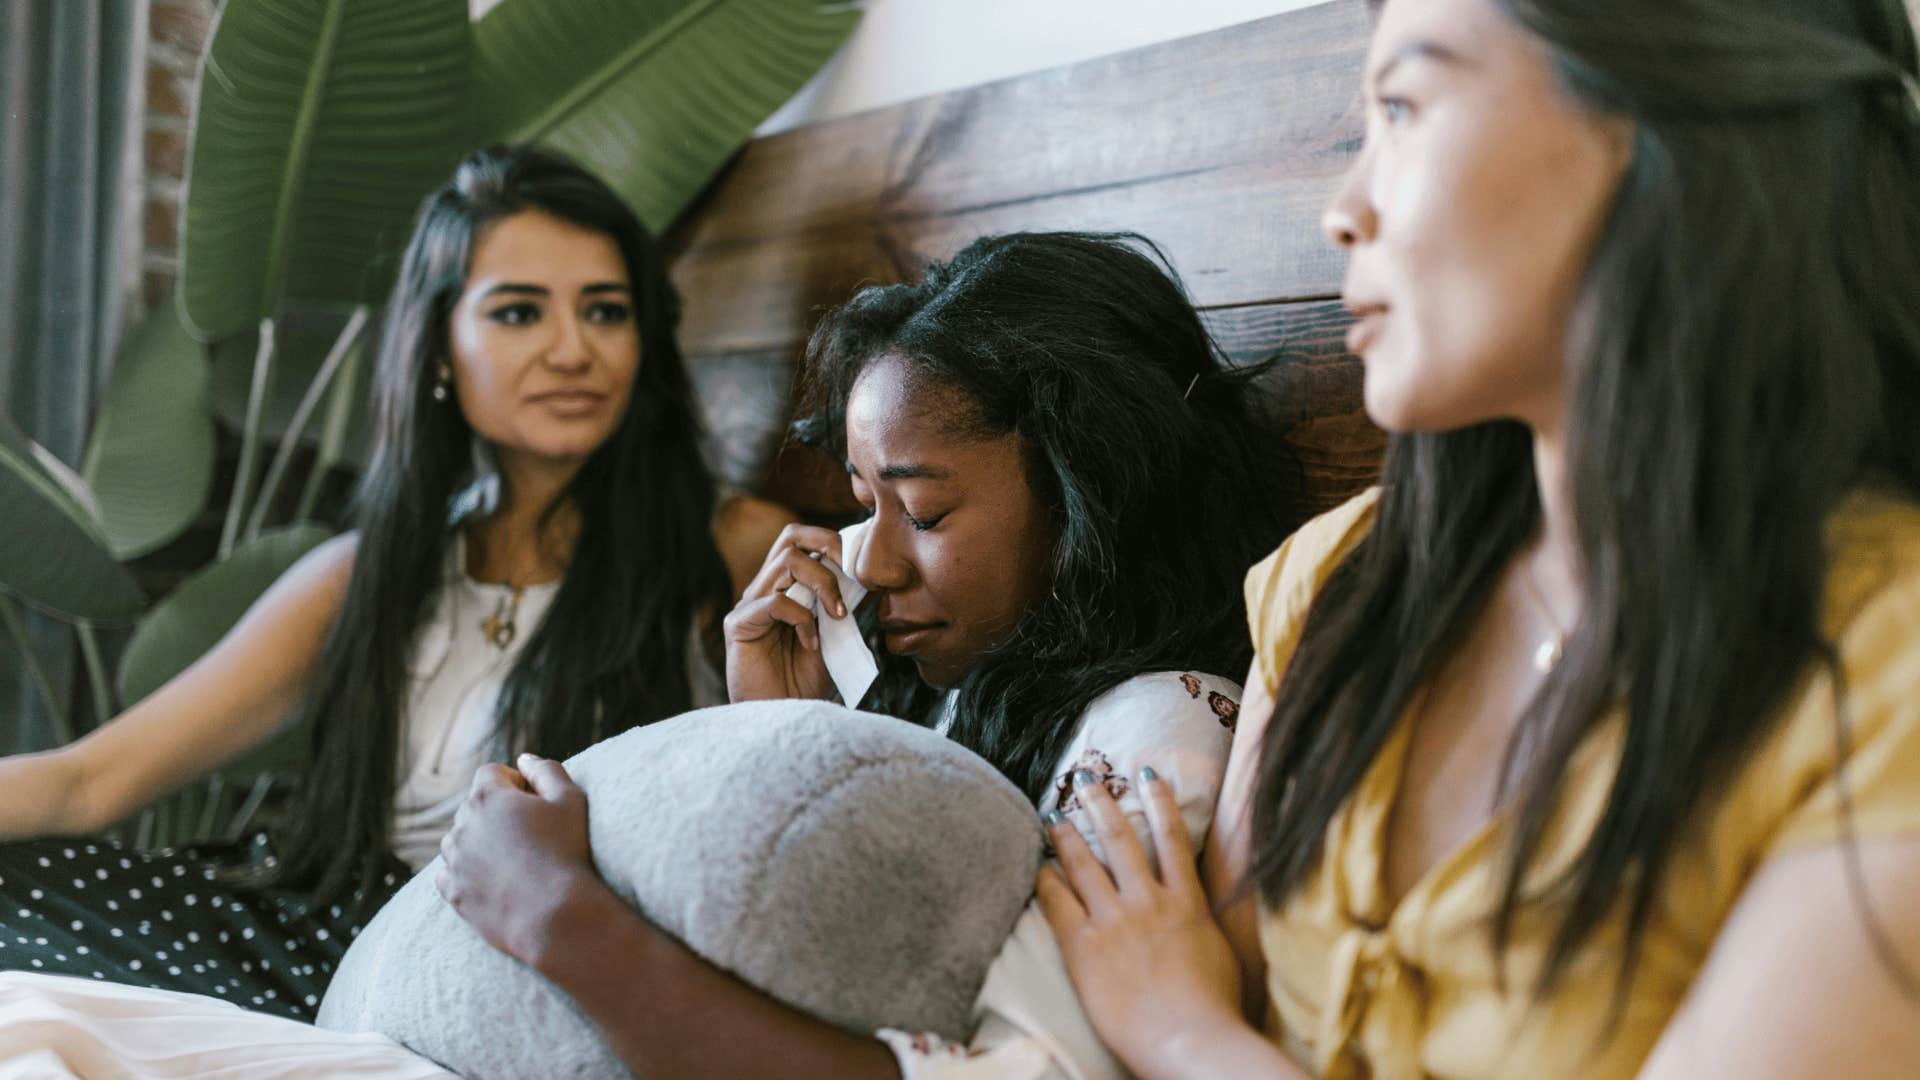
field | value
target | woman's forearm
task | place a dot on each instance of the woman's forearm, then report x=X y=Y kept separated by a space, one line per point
x=41 y=795
x=667 y=1013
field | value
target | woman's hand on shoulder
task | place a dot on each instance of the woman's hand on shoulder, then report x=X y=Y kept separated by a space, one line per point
x=1151 y=967
x=773 y=642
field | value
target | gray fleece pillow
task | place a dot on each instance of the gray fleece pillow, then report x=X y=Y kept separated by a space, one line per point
x=854 y=866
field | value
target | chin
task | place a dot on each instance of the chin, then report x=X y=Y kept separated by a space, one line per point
x=937 y=673
x=1389 y=410
x=1403 y=408
x=568 y=451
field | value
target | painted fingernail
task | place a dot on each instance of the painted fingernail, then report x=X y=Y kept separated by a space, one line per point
x=1083 y=778
x=1147 y=775
x=1054 y=819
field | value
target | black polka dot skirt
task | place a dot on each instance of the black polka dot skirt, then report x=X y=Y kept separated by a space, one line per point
x=92 y=909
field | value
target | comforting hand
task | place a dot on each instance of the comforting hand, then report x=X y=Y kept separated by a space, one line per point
x=517 y=852
x=773 y=643
x=1150 y=965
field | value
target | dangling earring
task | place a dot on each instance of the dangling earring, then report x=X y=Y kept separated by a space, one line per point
x=444 y=380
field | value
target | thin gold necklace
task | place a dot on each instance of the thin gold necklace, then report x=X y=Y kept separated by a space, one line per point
x=499 y=627
x=1547 y=654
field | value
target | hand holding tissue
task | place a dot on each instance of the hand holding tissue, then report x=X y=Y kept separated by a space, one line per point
x=845 y=652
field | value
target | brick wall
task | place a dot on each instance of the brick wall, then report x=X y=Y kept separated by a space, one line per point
x=177 y=30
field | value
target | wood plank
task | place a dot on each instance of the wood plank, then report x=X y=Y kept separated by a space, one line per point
x=744 y=399
x=1274 y=89
x=1222 y=231
x=1317 y=387
x=1221 y=147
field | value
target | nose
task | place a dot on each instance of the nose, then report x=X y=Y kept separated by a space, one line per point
x=1349 y=218
x=882 y=562
x=568 y=351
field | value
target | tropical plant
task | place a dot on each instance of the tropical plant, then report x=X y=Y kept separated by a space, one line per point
x=319 y=126
x=654 y=95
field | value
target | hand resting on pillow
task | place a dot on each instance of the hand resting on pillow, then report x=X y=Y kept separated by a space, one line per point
x=854 y=866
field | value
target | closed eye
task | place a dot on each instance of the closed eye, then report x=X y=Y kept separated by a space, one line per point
x=923 y=524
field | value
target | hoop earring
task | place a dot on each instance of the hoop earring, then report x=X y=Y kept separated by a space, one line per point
x=442 y=381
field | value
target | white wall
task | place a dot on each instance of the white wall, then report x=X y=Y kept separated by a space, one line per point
x=904 y=49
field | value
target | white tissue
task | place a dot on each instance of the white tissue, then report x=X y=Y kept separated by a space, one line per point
x=851 y=666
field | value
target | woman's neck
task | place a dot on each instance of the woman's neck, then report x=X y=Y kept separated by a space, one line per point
x=1553 y=557
x=523 y=543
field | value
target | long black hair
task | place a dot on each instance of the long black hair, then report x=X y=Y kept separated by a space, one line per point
x=1745 y=350
x=1157 y=459
x=612 y=650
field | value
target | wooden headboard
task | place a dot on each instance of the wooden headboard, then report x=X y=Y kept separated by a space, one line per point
x=1222 y=148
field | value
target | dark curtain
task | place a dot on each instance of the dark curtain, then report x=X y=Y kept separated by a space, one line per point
x=72 y=97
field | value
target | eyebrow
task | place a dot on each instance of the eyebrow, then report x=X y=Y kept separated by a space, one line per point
x=519 y=289
x=907 y=472
x=1422 y=49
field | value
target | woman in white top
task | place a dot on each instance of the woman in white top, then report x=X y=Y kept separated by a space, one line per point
x=1065 y=484
x=537 y=549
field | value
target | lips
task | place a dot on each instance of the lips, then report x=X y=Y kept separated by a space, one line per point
x=572 y=401
x=1369 y=318
x=903 y=636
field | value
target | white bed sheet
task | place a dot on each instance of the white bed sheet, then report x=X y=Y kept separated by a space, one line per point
x=54 y=1027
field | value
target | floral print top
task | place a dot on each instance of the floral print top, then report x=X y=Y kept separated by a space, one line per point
x=1029 y=1025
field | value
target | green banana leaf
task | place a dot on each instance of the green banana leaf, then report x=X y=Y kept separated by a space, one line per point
x=150 y=459
x=195 y=616
x=302 y=335
x=53 y=552
x=653 y=95
x=319 y=127
x=179 y=630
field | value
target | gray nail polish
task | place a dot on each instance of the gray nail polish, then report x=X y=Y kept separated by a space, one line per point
x=1054 y=818
x=1147 y=775
x=1082 y=778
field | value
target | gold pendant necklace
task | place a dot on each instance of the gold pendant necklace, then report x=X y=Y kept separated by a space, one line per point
x=498 y=627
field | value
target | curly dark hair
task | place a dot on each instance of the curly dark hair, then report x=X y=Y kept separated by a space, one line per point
x=1166 y=473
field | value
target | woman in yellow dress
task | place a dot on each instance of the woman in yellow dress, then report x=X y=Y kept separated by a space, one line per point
x=1589 y=743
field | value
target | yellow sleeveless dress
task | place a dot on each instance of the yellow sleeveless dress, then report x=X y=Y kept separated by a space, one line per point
x=1362 y=989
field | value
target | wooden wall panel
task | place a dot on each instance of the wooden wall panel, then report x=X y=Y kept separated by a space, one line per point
x=1222 y=148
x=1317 y=387
x=1235 y=234
x=1280 y=90
x=1315 y=384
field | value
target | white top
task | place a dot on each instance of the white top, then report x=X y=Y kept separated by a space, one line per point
x=450 y=728
x=1028 y=1021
